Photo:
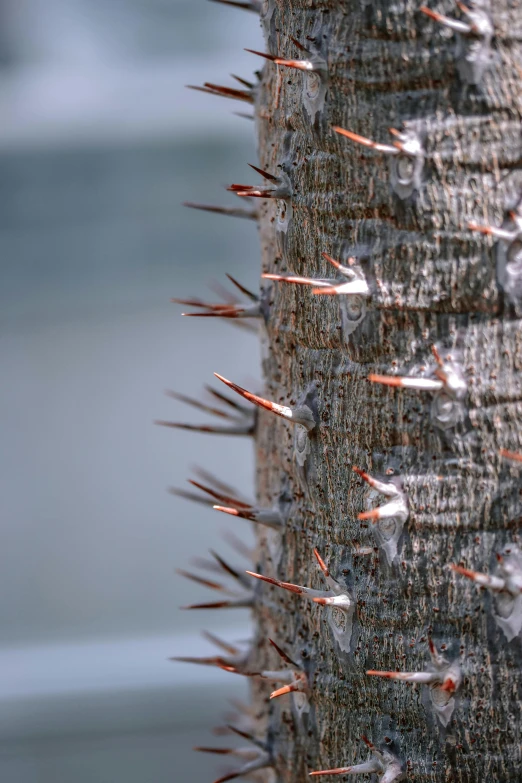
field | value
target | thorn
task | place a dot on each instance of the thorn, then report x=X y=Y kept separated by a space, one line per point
x=447 y=21
x=228 y=648
x=195 y=498
x=511 y=455
x=253 y=5
x=229 y=401
x=388 y=149
x=284 y=690
x=437 y=356
x=277 y=583
x=270 y=57
x=322 y=564
x=337 y=771
x=227 y=568
x=223 y=92
x=206 y=428
x=248 y=214
x=234 y=512
x=398 y=502
x=367 y=742
x=296 y=280
x=268 y=517
x=197 y=404
x=282 y=653
x=248 y=85
x=494 y=583
x=212 y=605
x=420 y=677
x=337 y=264
x=245 y=291
x=302 y=415
x=218 y=495
x=199 y=580
x=407 y=383
x=301 y=65
x=264 y=174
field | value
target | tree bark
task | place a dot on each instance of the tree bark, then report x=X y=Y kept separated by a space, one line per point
x=432 y=281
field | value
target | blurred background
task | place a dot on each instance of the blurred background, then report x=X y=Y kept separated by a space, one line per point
x=99 y=144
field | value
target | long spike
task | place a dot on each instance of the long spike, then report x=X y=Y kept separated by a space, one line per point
x=240 y=212
x=263 y=173
x=285 y=689
x=389 y=149
x=282 y=653
x=277 y=583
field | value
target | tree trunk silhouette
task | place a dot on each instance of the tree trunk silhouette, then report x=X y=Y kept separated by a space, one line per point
x=433 y=281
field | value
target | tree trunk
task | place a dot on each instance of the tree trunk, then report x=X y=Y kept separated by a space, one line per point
x=433 y=281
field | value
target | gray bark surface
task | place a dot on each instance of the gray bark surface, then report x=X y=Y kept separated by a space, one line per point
x=432 y=281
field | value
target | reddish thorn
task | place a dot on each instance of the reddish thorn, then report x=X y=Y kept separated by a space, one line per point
x=283 y=690
x=299 y=45
x=463 y=571
x=499 y=557
x=337 y=771
x=334 y=263
x=387 y=380
x=264 y=174
x=432 y=647
x=282 y=653
x=511 y=455
x=373 y=514
x=387 y=675
x=432 y=14
x=480 y=229
x=235 y=512
x=286 y=585
x=243 y=290
x=361 y=473
x=218 y=495
x=437 y=355
x=325 y=291
x=271 y=57
x=320 y=601
x=269 y=406
x=322 y=564
x=199 y=580
x=229 y=570
x=354 y=136
x=236 y=4
x=242 y=81
x=300 y=65
x=367 y=742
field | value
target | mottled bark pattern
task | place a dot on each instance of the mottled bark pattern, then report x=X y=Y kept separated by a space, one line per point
x=433 y=281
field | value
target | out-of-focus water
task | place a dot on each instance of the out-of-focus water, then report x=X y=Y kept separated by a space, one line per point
x=93 y=244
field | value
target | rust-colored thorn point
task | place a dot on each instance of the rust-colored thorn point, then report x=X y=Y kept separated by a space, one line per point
x=263 y=173
x=511 y=455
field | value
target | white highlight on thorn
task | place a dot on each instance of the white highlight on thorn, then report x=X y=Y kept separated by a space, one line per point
x=444 y=679
x=384 y=764
x=506 y=587
x=337 y=598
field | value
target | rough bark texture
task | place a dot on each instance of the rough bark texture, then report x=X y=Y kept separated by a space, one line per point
x=432 y=281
